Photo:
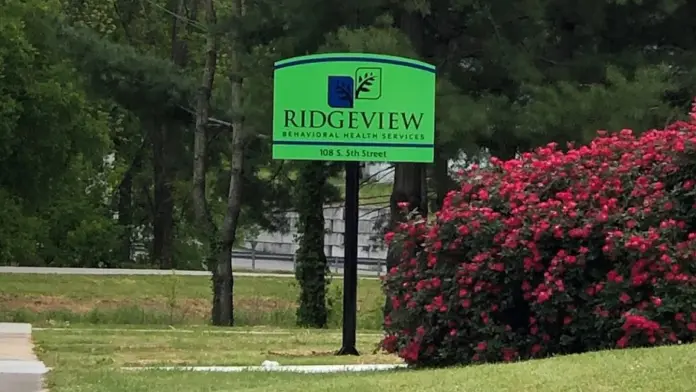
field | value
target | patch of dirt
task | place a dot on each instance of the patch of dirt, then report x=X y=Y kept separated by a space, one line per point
x=43 y=303
x=158 y=362
x=189 y=307
x=263 y=304
x=300 y=353
x=366 y=357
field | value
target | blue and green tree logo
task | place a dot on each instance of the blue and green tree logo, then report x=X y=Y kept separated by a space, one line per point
x=343 y=91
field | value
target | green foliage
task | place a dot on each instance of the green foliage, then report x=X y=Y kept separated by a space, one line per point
x=81 y=232
x=18 y=233
x=566 y=112
x=383 y=40
x=564 y=67
x=45 y=117
x=80 y=81
x=53 y=141
x=136 y=81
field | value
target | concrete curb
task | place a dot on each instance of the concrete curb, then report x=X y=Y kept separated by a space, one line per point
x=22 y=367
x=275 y=368
x=15 y=328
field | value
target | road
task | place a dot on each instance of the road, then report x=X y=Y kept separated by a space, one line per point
x=242 y=267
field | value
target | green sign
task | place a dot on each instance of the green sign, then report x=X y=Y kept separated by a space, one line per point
x=354 y=107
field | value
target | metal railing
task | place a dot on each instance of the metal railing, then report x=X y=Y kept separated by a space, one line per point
x=334 y=261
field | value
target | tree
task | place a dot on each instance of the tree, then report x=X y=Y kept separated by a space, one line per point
x=165 y=138
x=410 y=182
x=200 y=158
x=221 y=244
x=223 y=279
x=52 y=142
x=221 y=240
x=311 y=266
x=154 y=90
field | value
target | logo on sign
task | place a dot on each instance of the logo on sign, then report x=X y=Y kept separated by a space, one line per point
x=366 y=84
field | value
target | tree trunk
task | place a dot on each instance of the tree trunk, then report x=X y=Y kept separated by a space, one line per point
x=409 y=187
x=163 y=222
x=311 y=259
x=125 y=217
x=200 y=148
x=410 y=179
x=219 y=262
x=441 y=180
x=179 y=48
x=164 y=150
x=221 y=246
x=125 y=209
x=224 y=281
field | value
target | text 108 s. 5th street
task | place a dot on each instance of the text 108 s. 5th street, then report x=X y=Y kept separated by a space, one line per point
x=353 y=153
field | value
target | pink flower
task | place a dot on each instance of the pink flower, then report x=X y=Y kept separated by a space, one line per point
x=657 y=301
x=536 y=349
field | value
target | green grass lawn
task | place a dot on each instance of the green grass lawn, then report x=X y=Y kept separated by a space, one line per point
x=76 y=347
x=371 y=192
x=166 y=300
x=88 y=361
x=103 y=325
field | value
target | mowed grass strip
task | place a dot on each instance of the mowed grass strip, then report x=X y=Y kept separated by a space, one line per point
x=75 y=348
x=665 y=369
x=167 y=300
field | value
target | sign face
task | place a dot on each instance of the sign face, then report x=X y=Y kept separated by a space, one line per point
x=354 y=107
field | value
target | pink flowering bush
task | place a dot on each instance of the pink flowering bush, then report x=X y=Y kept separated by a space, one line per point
x=553 y=253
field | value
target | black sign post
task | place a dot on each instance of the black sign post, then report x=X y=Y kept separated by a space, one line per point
x=350 y=259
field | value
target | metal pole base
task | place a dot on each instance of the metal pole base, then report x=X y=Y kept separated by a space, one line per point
x=348 y=351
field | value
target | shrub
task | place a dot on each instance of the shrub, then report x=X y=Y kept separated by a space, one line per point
x=553 y=253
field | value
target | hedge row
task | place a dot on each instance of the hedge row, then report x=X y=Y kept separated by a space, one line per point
x=555 y=252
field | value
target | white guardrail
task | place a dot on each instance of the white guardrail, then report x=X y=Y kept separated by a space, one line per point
x=334 y=262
